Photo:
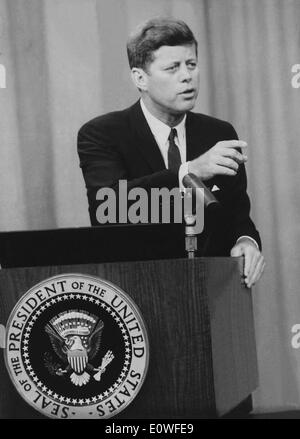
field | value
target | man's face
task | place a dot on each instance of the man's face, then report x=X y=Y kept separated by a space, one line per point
x=172 y=79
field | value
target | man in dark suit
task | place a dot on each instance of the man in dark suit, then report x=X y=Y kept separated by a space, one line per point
x=158 y=140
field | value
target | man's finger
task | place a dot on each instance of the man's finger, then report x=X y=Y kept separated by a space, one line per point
x=253 y=257
x=234 y=155
x=254 y=269
x=254 y=261
x=228 y=163
x=248 y=262
x=257 y=272
x=236 y=251
x=234 y=143
x=223 y=170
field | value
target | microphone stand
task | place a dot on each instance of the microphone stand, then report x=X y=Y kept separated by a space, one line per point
x=209 y=200
x=190 y=235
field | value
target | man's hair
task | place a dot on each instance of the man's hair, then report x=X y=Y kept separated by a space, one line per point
x=153 y=34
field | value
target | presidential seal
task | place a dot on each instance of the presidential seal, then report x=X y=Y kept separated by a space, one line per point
x=76 y=347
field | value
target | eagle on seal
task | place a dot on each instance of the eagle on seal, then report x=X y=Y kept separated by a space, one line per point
x=75 y=336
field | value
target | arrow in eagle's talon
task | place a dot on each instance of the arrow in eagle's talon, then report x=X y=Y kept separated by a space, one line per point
x=108 y=357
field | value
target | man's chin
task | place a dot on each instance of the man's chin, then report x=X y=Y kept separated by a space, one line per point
x=186 y=106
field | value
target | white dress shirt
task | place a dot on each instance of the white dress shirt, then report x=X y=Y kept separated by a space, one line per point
x=161 y=133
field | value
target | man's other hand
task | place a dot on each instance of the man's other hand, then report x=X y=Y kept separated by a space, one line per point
x=254 y=260
x=221 y=159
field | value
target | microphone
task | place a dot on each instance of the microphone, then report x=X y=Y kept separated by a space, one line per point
x=209 y=202
x=194 y=182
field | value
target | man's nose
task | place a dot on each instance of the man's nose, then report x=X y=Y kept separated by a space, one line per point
x=185 y=74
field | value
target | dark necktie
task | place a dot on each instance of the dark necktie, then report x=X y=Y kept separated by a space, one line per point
x=174 y=159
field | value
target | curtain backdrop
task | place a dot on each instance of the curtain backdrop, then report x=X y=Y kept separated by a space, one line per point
x=65 y=63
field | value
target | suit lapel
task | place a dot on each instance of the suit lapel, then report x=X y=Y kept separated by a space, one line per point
x=193 y=137
x=145 y=141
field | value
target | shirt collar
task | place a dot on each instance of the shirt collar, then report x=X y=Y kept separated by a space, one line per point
x=160 y=130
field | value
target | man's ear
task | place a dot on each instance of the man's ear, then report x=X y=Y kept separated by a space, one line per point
x=140 y=78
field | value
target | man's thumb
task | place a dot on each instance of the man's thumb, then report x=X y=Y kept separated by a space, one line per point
x=236 y=251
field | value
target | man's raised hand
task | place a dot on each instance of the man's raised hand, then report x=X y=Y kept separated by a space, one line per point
x=221 y=159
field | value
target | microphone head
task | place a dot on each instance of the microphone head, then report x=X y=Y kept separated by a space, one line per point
x=194 y=182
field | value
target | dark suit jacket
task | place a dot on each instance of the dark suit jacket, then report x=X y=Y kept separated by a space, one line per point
x=120 y=145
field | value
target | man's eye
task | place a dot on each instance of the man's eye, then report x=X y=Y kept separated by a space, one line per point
x=171 y=68
x=192 y=65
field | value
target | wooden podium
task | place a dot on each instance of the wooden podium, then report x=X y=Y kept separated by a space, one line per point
x=200 y=325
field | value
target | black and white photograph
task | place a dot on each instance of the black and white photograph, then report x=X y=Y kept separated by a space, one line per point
x=149 y=212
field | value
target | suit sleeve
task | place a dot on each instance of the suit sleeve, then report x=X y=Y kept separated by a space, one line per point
x=238 y=203
x=103 y=164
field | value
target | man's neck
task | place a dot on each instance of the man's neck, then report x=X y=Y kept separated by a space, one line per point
x=169 y=119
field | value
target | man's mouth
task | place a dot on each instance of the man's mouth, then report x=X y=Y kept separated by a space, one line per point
x=189 y=92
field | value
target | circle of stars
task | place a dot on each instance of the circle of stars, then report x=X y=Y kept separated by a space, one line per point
x=67 y=400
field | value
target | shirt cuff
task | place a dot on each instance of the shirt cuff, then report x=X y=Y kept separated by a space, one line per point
x=248 y=237
x=183 y=170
